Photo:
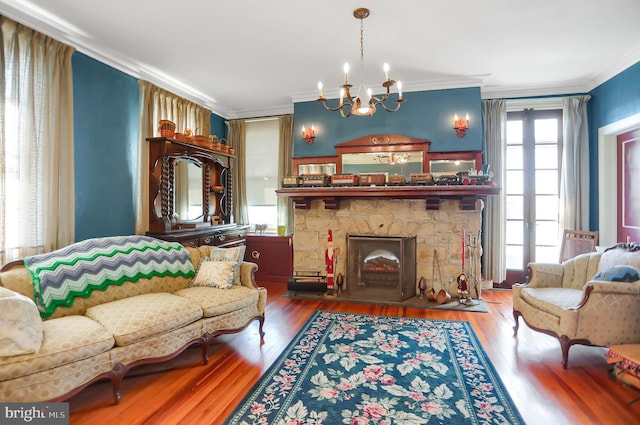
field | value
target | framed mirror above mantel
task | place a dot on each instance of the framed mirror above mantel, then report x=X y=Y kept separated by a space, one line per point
x=389 y=154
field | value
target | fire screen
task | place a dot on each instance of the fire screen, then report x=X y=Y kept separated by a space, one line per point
x=381 y=268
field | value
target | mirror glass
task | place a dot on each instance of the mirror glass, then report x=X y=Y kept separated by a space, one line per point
x=390 y=163
x=450 y=166
x=328 y=169
x=187 y=189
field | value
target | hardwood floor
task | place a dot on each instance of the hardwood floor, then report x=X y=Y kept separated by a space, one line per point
x=184 y=391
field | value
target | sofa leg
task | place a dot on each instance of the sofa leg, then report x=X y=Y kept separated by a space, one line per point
x=204 y=344
x=565 y=344
x=516 y=315
x=117 y=376
x=260 y=330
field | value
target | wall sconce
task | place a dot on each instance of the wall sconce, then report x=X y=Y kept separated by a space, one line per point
x=308 y=134
x=460 y=125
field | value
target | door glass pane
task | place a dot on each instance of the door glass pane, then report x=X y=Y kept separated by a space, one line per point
x=547 y=182
x=514 y=158
x=546 y=233
x=515 y=207
x=514 y=182
x=547 y=254
x=514 y=257
x=514 y=232
x=547 y=156
x=514 y=132
x=546 y=207
x=546 y=130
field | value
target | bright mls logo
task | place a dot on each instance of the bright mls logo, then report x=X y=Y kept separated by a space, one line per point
x=34 y=413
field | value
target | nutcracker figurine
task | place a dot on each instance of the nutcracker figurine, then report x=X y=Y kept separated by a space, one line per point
x=329 y=262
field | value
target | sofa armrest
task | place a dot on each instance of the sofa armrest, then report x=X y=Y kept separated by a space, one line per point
x=545 y=275
x=605 y=287
x=247 y=274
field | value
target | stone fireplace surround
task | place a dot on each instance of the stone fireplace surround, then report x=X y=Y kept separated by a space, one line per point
x=439 y=230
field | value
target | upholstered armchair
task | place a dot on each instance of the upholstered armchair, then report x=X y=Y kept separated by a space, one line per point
x=592 y=299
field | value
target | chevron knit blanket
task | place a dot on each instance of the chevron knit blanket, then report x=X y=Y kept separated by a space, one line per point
x=60 y=276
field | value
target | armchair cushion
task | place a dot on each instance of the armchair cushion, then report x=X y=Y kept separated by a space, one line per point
x=621 y=273
x=552 y=300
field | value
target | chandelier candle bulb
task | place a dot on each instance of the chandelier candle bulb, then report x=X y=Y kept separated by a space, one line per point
x=385 y=67
x=346 y=73
x=320 y=88
x=399 y=90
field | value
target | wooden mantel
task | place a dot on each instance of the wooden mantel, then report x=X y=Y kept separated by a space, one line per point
x=331 y=196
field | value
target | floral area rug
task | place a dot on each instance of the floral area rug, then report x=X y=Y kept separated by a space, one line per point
x=358 y=369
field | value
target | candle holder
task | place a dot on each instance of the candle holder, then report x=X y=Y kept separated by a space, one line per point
x=309 y=134
x=461 y=125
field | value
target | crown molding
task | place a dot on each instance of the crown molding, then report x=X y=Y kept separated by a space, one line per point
x=631 y=58
x=36 y=18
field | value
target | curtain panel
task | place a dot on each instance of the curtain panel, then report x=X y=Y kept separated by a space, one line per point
x=494 y=114
x=285 y=168
x=158 y=104
x=237 y=139
x=574 y=176
x=37 y=212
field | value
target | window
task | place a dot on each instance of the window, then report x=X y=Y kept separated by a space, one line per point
x=532 y=188
x=262 y=141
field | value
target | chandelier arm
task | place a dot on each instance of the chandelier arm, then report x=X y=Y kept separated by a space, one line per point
x=386 y=108
x=339 y=107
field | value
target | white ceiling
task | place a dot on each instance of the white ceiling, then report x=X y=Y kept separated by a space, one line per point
x=255 y=58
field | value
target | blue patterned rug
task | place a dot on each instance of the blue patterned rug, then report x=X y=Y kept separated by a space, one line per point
x=358 y=369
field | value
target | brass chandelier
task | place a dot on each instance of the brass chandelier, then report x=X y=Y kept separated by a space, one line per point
x=364 y=103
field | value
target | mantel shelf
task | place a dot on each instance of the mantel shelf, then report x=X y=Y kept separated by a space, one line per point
x=331 y=196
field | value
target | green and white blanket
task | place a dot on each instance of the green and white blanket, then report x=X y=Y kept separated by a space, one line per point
x=77 y=270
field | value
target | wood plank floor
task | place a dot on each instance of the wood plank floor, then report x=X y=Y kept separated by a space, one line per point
x=183 y=391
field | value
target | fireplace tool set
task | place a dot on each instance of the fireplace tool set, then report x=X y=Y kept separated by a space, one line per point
x=470 y=244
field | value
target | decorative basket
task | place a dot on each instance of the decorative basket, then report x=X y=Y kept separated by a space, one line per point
x=202 y=141
x=167 y=129
x=181 y=137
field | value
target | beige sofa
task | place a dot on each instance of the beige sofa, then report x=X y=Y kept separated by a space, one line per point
x=592 y=299
x=106 y=334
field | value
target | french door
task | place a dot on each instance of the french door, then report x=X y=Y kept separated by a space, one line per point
x=629 y=187
x=532 y=189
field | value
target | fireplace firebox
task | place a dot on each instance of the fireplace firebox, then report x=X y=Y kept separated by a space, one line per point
x=381 y=268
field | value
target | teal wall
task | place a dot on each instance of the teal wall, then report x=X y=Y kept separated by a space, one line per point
x=106 y=116
x=424 y=115
x=612 y=101
x=106 y=132
x=218 y=127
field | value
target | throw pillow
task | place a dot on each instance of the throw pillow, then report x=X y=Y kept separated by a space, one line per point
x=216 y=274
x=618 y=274
x=21 y=328
x=234 y=254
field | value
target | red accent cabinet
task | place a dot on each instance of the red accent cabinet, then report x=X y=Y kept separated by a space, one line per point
x=274 y=256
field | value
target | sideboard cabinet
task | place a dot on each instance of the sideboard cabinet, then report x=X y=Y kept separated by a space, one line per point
x=191 y=194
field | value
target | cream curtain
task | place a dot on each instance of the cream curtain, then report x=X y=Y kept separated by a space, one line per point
x=237 y=139
x=158 y=104
x=36 y=143
x=494 y=115
x=285 y=153
x=574 y=176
